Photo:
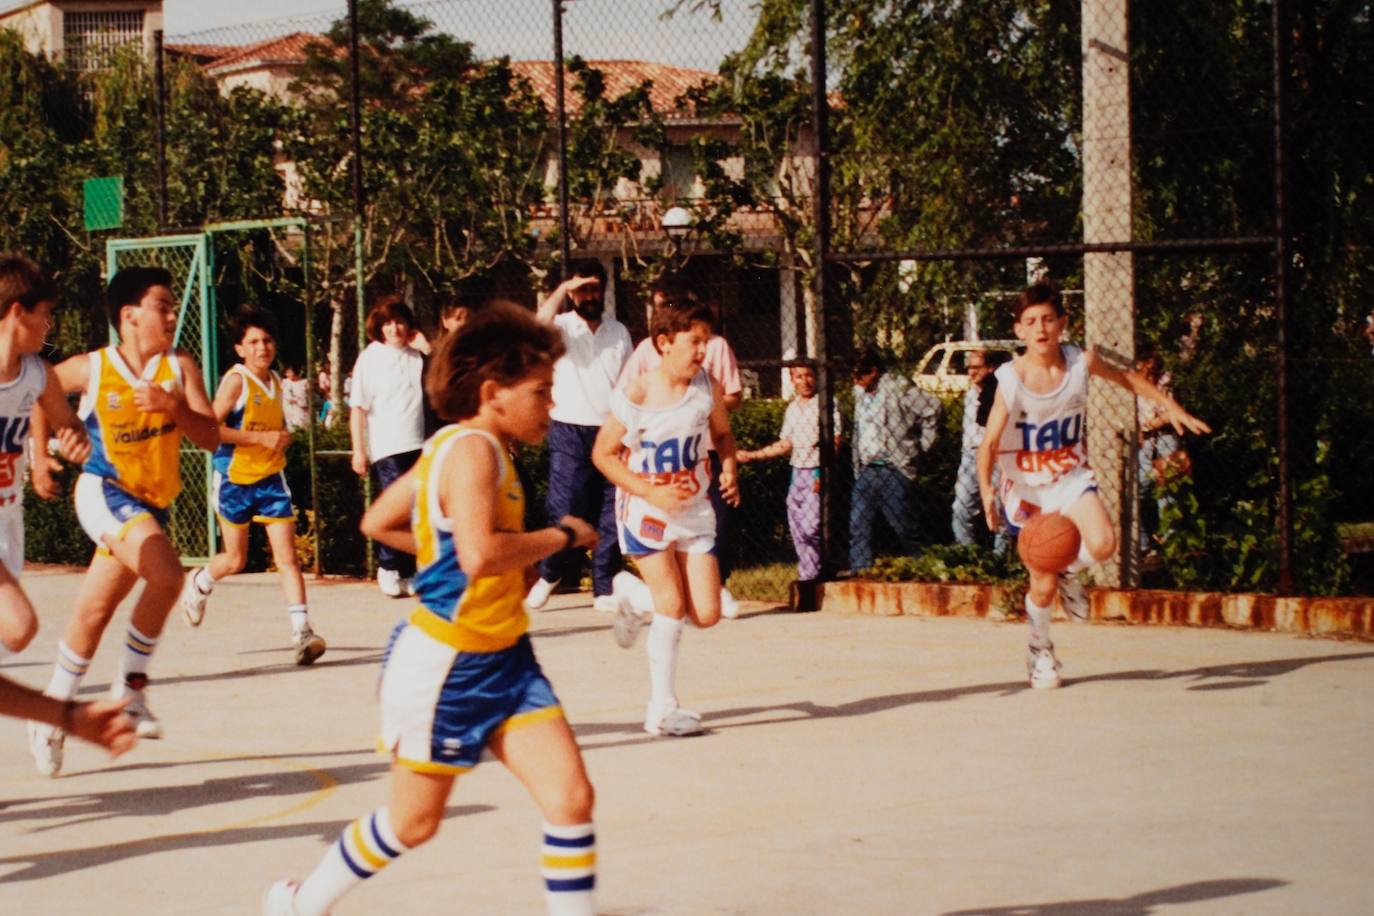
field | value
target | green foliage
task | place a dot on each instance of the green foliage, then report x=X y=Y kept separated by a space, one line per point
x=952 y=563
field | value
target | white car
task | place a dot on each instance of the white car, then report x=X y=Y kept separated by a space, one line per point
x=943 y=370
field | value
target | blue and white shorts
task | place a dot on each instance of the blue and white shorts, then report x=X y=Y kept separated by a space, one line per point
x=440 y=706
x=645 y=529
x=1019 y=503
x=267 y=500
x=107 y=510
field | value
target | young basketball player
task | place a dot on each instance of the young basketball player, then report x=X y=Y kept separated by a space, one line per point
x=140 y=397
x=460 y=675
x=663 y=513
x=1035 y=436
x=250 y=484
x=27 y=298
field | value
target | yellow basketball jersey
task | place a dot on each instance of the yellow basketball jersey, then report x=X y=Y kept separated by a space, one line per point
x=258 y=408
x=138 y=451
x=473 y=615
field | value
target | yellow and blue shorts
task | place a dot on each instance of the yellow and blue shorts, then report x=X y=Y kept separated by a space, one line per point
x=107 y=510
x=440 y=706
x=267 y=500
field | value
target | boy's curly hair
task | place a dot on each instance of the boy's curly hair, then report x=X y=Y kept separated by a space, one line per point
x=503 y=342
x=677 y=315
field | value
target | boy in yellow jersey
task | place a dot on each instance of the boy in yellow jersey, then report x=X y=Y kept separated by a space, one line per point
x=249 y=484
x=139 y=397
x=460 y=675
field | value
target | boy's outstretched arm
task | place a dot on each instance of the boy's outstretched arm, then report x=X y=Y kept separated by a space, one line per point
x=101 y=722
x=987 y=457
x=1140 y=386
x=724 y=441
x=70 y=375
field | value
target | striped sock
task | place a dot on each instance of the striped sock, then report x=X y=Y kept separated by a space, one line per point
x=364 y=848
x=299 y=615
x=67 y=673
x=133 y=666
x=568 y=864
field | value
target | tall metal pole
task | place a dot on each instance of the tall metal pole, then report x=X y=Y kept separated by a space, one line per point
x=160 y=82
x=560 y=114
x=1281 y=291
x=356 y=120
x=820 y=211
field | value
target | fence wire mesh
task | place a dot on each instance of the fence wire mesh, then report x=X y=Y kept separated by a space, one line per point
x=972 y=149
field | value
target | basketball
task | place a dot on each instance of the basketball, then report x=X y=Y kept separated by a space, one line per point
x=1048 y=542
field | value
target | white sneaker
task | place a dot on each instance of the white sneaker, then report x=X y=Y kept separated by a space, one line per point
x=193 y=600
x=1043 y=668
x=308 y=645
x=674 y=722
x=625 y=627
x=1073 y=596
x=146 y=725
x=46 y=744
x=389 y=581
x=606 y=604
x=539 y=594
x=279 y=899
x=729 y=607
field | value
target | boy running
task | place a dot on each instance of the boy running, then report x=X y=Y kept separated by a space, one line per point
x=250 y=484
x=663 y=512
x=460 y=674
x=140 y=397
x=1035 y=436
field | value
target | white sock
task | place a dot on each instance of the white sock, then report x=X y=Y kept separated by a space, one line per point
x=205 y=583
x=633 y=588
x=67 y=673
x=133 y=665
x=568 y=866
x=1083 y=561
x=364 y=848
x=299 y=615
x=665 y=634
x=1039 y=623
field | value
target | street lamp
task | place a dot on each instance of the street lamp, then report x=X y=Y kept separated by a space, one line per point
x=677 y=225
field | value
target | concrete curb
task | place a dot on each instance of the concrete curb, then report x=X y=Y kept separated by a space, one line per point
x=1352 y=617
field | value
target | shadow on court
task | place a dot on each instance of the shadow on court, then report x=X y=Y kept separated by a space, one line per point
x=1138 y=905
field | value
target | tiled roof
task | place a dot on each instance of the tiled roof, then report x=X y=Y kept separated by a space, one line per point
x=669 y=83
x=286 y=49
x=203 y=52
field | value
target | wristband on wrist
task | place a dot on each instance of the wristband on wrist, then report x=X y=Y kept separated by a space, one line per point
x=568 y=533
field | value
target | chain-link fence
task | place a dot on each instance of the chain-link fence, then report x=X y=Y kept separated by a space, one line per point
x=1128 y=154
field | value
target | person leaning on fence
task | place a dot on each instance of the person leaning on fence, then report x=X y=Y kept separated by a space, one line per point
x=583 y=379
x=387 y=417
x=894 y=423
x=141 y=396
x=966 y=513
x=800 y=438
x=249 y=483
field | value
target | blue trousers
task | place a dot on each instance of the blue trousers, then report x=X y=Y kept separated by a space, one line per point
x=384 y=471
x=879 y=488
x=577 y=488
x=725 y=521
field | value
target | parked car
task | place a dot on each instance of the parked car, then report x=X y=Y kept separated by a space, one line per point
x=943 y=369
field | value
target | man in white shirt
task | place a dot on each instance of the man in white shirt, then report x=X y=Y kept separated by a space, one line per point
x=582 y=383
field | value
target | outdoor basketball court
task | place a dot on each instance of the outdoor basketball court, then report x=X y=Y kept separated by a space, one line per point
x=853 y=765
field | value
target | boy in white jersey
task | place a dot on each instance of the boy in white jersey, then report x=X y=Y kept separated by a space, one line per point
x=27 y=298
x=140 y=397
x=1035 y=436
x=460 y=674
x=664 y=514
x=250 y=482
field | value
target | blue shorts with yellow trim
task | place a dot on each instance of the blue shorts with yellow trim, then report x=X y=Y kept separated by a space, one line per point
x=106 y=509
x=441 y=706
x=267 y=500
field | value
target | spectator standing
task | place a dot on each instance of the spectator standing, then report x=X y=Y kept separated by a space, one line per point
x=583 y=379
x=722 y=366
x=293 y=390
x=894 y=422
x=967 y=510
x=386 y=418
x=1159 y=448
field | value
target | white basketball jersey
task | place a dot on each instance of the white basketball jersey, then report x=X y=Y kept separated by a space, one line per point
x=1043 y=439
x=668 y=445
x=17 y=398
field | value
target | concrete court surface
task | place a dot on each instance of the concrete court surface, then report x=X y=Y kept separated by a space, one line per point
x=853 y=765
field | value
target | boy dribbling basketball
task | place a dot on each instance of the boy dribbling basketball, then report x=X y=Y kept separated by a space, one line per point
x=1035 y=435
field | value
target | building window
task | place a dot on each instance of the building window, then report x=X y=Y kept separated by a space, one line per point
x=91 y=39
x=679 y=174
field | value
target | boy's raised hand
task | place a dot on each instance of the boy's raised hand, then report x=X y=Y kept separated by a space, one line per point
x=155 y=399
x=1183 y=421
x=73 y=444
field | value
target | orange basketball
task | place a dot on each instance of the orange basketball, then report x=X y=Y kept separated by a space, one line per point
x=1048 y=542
